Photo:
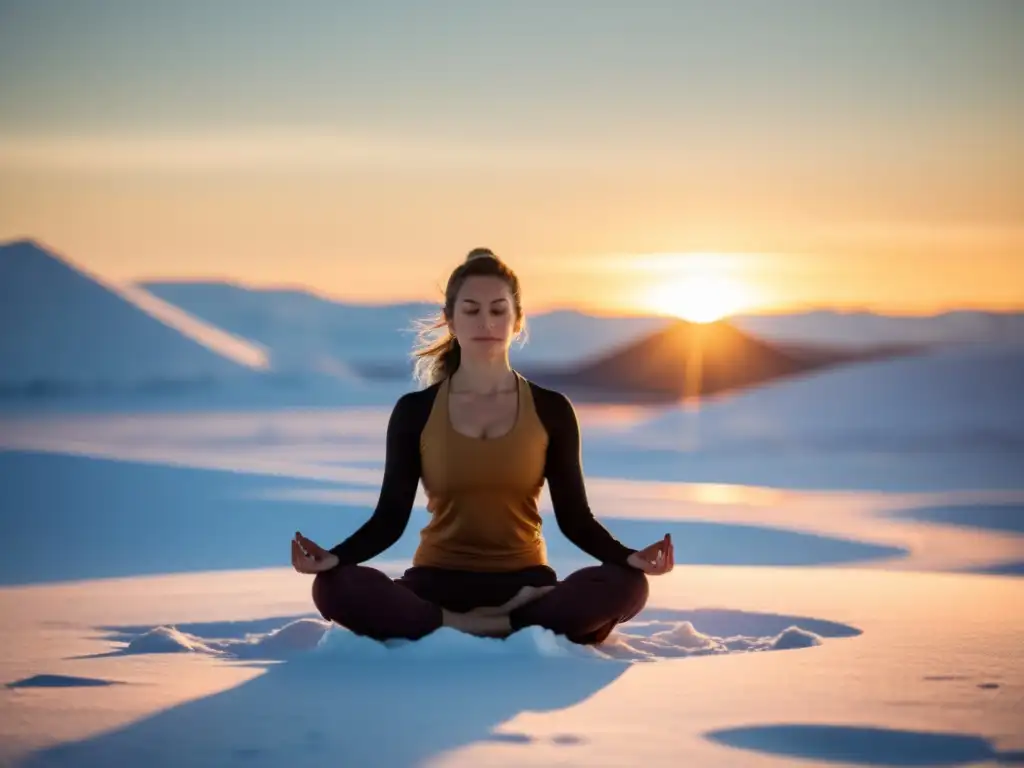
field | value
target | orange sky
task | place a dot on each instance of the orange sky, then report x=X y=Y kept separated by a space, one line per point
x=583 y=242
x=852 y=156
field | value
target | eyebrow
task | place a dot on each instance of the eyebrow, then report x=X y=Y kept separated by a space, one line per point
x=494 y=301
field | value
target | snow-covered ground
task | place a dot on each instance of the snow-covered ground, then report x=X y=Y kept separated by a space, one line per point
x=835 y=602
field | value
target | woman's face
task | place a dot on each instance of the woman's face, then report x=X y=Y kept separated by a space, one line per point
x=484 y=317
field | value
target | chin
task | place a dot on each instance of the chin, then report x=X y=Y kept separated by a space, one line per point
x=480 y=348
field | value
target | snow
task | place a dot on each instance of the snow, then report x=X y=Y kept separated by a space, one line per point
x=962 y=397
x=950 y=418
x=302 y=329
x=296 y=323
x=844 y=588
x=867 y=329
x=63 y=326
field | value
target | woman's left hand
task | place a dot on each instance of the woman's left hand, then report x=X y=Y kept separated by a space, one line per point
x=655 y=560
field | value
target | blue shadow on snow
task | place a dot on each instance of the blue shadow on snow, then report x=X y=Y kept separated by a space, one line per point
x=115 y=519
x=864 y=746
x=316 y=712
x=1002 y=518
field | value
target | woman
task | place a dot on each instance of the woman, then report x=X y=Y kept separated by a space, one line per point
x=483 y=440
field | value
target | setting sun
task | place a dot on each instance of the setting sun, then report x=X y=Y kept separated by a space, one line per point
x=700 y=298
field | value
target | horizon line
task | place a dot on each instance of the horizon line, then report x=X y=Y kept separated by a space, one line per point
x=604 y=310
x=878 y=309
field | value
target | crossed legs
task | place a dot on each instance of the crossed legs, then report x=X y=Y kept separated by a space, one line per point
x=585 y=607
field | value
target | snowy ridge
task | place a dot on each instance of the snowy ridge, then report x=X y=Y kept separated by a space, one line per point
x=63 y=326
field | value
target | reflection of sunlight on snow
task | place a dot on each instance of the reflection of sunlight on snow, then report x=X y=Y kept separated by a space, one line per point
x=717 y=494
x=340 y=496
x=248 y=428
x=599 y=419
x=721 y=493
x=310 y=444
x=242 y=351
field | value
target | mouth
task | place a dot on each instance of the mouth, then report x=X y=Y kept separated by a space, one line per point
x=485 y=338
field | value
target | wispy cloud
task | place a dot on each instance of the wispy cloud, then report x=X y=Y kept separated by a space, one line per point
x=293 y=151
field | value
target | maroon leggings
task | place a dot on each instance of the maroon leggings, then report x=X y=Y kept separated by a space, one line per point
x=584 y=607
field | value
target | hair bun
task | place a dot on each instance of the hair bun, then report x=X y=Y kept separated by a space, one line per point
x=481 y=253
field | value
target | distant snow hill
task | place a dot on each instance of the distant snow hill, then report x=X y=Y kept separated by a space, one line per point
x=631 y=358
x=302 y=329
x=839 y=329
x=299 y=328
x=949 y=399
x=64 y=329
x=683 y=360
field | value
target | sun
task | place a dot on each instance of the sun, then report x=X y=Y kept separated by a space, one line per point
x=699 y=298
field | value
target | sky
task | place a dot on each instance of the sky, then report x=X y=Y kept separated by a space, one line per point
x=769 y=154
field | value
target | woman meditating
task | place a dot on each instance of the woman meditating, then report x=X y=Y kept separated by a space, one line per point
x=483 y=440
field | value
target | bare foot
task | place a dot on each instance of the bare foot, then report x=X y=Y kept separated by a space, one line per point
x=478 y=624
x=521 y=598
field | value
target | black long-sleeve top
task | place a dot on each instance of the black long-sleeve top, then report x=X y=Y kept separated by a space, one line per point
x=482 y=493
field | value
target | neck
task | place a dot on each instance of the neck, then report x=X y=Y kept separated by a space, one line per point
x=483 y=377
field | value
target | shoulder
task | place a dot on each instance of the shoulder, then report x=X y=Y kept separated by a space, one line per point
x=413 y=408
x=418 y=398
x=554 y=408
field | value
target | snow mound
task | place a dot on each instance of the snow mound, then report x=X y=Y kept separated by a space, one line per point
x=166 y=640
x=293 y=638
x=793 y=638
x=447 y=643
x=682 y=639
x=321 y=640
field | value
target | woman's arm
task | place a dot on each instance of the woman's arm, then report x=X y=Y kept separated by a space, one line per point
x=398 y=488
x=564 y=473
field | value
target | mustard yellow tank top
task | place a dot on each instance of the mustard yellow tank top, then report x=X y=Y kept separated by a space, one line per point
x=482 y=494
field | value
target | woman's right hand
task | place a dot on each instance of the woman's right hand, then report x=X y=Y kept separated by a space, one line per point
x=655 y=560
x=310 y=557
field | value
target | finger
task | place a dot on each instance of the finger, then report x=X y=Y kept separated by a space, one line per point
x=311 y=547
x=302 y=562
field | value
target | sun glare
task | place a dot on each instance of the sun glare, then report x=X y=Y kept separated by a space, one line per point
x=699 y=298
